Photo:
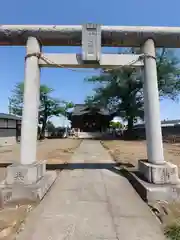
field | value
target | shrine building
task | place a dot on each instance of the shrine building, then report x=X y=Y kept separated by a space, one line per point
x=90 y=119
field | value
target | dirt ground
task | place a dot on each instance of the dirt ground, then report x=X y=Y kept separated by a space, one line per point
x=129 y=152
x=52 y=150
x=12 y=219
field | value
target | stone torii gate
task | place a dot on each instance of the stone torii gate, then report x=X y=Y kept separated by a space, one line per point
x=31 y=174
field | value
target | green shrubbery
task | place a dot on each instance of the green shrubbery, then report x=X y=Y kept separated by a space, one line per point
x=173 y=232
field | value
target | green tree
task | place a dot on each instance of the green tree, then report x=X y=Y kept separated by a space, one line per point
x=115 y=124
x=121 y=90
x=49 y=106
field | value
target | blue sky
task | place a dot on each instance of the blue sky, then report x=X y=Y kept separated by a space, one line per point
x=70 y=85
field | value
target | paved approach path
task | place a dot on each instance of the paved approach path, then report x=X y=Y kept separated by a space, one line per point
x=91 y=203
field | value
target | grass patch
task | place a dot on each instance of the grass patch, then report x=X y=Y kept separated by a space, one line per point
x=173 y=231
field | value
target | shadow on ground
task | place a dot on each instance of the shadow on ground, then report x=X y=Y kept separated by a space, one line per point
x=122 y=169
x=72 y=166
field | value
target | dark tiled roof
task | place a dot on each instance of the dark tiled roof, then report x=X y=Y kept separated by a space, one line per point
x=164 y=122
x=81 y=109
x=177 y=121
x=9 y=116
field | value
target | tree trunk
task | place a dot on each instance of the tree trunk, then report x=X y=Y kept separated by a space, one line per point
x=130 y=124
x=129 y=133
x=39 y=133
x=42 y=134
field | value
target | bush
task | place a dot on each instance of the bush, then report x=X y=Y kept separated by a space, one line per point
x=173 y=232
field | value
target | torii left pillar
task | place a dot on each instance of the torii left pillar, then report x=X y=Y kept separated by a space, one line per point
x=29 y=179
x=31 y=103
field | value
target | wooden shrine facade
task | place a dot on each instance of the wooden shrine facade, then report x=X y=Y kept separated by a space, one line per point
x=90 y=119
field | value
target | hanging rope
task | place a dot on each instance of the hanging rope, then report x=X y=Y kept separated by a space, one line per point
x=41 y=56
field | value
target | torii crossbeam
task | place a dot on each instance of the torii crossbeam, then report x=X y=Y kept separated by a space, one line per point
x=70 y=35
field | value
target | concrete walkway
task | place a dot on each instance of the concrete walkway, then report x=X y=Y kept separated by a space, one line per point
x=91 y=202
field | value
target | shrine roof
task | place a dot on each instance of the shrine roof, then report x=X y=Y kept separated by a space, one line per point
x=81 y=109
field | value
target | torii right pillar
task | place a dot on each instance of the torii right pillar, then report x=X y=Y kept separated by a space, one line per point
x=155 y=170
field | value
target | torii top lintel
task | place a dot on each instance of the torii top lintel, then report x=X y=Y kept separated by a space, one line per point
x=62 y=35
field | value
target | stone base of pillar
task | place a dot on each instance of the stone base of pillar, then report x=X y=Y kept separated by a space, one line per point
x=151 y=192
x=166 y=173
x=156 y=182
x=26 y=182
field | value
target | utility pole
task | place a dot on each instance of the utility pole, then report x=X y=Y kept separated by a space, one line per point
x=9 y=106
